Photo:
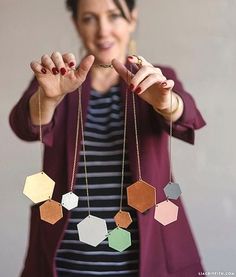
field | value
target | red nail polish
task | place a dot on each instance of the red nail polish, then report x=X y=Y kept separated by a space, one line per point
x=131 y=87
x=63 y=71
x=43 y=70
x=71 y=64
x=55 y=71
x=138 y=90
x=130 y=57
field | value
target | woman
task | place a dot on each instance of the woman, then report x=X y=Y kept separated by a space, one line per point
x=105 y=28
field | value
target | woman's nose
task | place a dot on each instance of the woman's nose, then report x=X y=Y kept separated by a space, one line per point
x=104 y=27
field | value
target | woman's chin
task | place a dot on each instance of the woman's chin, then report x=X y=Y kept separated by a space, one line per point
x=106 y=58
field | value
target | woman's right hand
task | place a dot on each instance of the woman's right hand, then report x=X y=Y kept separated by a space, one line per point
x=57 y=76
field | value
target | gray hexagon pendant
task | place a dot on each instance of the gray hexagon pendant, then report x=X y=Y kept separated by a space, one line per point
x=172 y=190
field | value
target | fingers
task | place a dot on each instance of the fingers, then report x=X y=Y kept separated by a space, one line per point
x=152 y=79
x=84 y=67
x=138 y=60
x=144 y=73
x=168 y=85
x=69 y=59
x=55 y=64
x=48 y=64
x=125 y=74
x=37 y=68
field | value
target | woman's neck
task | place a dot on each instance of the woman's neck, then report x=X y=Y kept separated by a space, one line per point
x=102 y=79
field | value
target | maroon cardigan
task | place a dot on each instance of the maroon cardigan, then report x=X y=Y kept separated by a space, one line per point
x=164 y=250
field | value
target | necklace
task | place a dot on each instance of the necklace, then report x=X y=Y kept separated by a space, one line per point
x=39 y=187
x=141 y=195
x=93 y=230
x=166 y=211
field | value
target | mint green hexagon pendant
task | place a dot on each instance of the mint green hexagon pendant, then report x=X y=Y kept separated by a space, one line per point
x=119 y=239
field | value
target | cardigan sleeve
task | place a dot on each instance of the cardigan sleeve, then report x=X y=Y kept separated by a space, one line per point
x=20 y=120
x=191 y=118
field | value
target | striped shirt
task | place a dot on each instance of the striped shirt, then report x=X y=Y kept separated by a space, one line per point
x=103 y=134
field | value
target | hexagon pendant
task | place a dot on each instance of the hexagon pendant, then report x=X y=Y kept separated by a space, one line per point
x=92 y=230
x=166 y=212
x=69 y=200
x=119 y=239
x=141 y=196
x=51 y=211
x=39 y=187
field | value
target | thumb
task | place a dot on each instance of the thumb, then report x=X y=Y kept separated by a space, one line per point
x=84 y=67
x=125 y=74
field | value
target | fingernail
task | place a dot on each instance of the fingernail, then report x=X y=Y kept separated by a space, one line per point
x=43 y=70
x=55 y=71
x=63 y=71
x=71 y=64
x=138 y=90
x=131 y=87
x=164 y=84
x=130 y=57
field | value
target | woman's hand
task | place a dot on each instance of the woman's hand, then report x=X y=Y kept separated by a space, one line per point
x=151 y=85
x=57 y=76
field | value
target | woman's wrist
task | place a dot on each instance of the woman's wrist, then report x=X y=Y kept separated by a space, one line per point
x=175 y=111
x=47 y=105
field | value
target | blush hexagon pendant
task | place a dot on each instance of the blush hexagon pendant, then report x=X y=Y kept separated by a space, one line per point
x=172 y=190
x=51 y=211
x=141 y=196
x=92 y=230
x=123 y=219
x=39 y=187
x=166 y=212
x=119 y=239
x=69 y=200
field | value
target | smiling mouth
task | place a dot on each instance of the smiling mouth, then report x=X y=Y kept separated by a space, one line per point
x=105 y=46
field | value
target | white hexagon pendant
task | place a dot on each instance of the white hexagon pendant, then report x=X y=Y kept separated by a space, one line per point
x=39 y=187
x=92 y=230
x=69 y=200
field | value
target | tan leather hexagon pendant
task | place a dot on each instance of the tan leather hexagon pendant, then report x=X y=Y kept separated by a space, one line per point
x=141 y=196
x=123 y=219
x=39 y=187
x=51 y=211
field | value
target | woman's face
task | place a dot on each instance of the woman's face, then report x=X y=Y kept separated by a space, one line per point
x=103 y=30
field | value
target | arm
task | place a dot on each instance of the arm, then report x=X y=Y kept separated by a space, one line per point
x=190 y=120
x=52 y=86
x=20 y=119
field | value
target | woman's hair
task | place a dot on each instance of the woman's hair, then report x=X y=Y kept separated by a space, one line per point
x=72 y=5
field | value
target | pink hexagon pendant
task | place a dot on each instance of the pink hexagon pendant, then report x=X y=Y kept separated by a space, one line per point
x=166 y=212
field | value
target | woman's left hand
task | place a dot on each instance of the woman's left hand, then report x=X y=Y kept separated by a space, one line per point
x=148 y=82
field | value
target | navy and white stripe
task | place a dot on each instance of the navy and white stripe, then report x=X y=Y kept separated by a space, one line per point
x=104 y=147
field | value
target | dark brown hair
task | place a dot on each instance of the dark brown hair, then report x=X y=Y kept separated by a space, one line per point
x=72 y=5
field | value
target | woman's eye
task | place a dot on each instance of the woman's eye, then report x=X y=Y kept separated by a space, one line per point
x=115 y=16
x=87 y=19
